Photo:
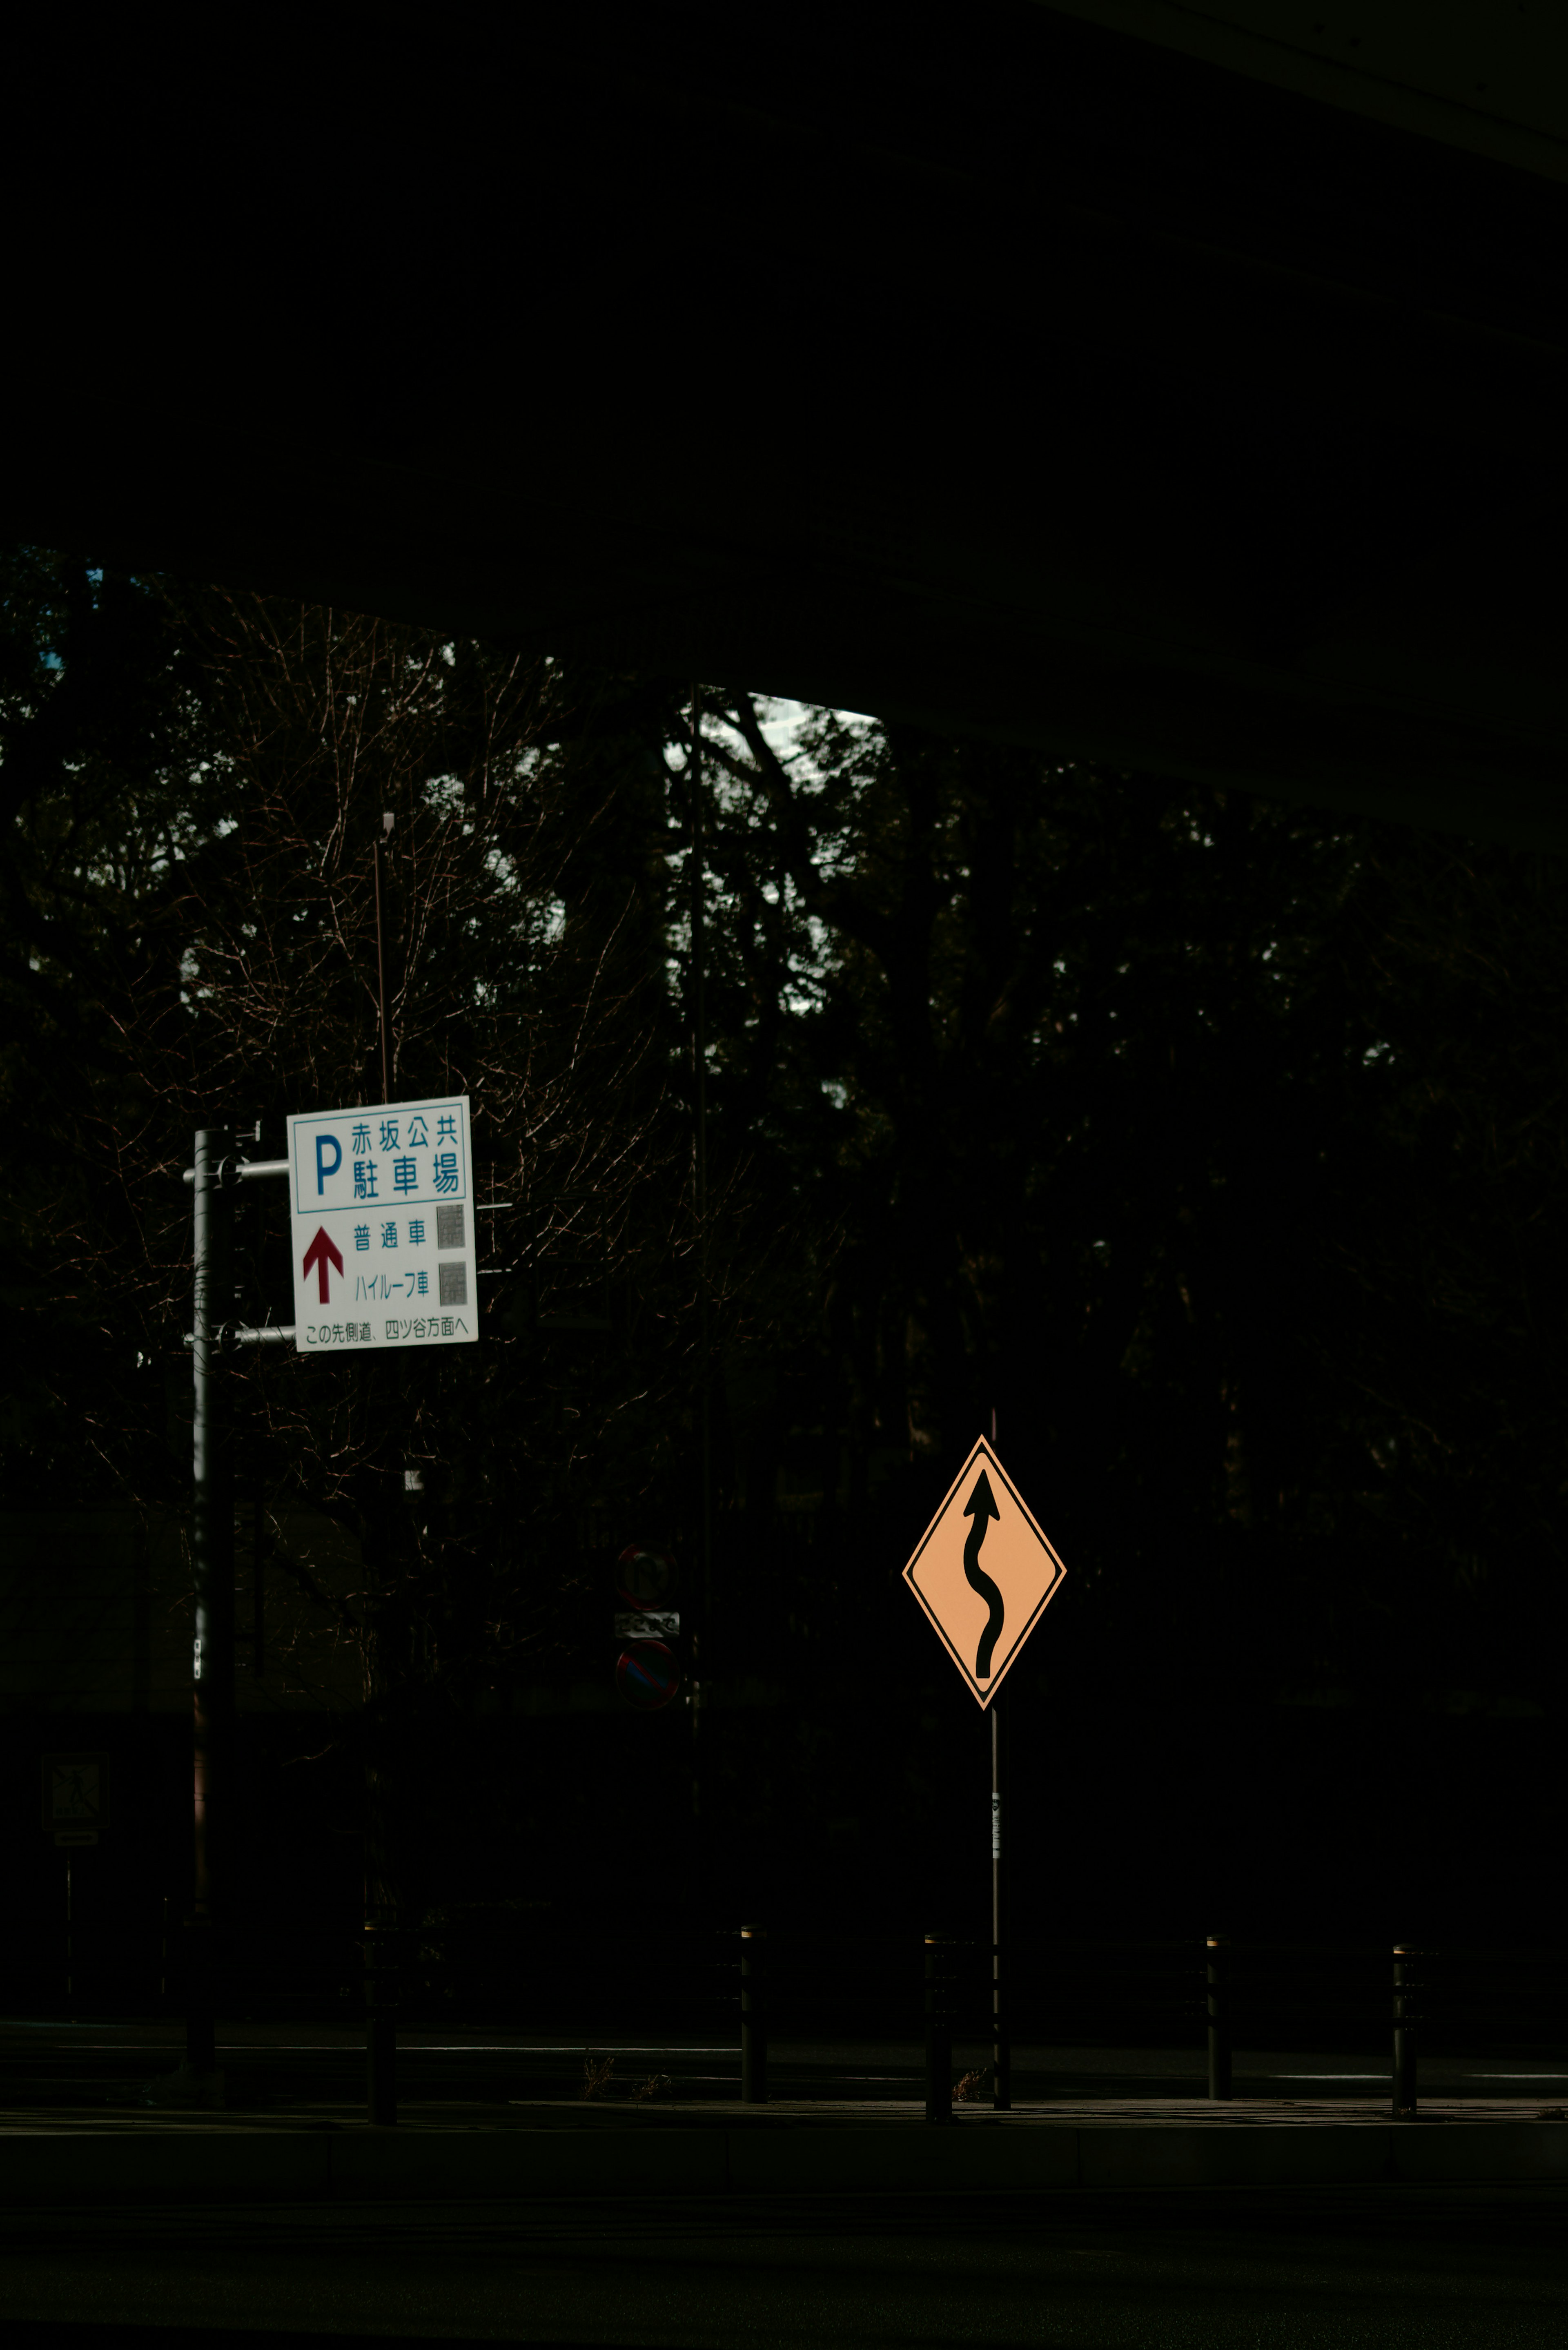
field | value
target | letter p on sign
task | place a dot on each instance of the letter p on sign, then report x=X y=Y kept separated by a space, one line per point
x=324 y=1143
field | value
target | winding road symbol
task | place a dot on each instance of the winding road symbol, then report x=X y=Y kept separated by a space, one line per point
x=984 y=1573
x=981 y=1506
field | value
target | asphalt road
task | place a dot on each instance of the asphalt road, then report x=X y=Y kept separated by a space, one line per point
x=1266 y=2269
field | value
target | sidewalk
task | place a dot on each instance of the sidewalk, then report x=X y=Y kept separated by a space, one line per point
x=798 y=2146
x=502 y=2114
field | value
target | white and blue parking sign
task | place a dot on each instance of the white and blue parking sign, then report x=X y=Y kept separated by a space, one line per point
x=382 y=1209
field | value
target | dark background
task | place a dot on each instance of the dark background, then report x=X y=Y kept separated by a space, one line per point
x=1215 y=1147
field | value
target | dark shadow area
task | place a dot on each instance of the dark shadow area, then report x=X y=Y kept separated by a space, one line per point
x=1309 y=2267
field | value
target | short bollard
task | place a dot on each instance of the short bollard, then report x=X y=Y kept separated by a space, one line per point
x=1219 y=1954
x=1405 y=1988
x=381 y=2026
x=753 y=2016
x=938 y=2033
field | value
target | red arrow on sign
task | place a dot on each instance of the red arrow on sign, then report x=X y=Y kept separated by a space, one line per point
x=317 y=1254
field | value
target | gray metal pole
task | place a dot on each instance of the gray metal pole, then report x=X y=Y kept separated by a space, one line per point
x=381 y=971
x=699 y=1143
x=1000 y=2036
x=212 y=1576
x=700 y=1636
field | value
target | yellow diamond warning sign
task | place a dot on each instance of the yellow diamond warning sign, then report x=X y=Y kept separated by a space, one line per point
x=983 y=1571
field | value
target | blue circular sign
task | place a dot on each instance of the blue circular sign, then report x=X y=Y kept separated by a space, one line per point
x=648 y=1676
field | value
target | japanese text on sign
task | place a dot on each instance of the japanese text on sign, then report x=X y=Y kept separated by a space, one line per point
x=382 y=1207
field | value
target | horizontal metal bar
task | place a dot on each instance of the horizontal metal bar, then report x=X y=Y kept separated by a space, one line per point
x=238 y=1334
x=246 y=1169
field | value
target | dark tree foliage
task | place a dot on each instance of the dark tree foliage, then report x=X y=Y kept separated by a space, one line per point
x=1443 y=1253
x=1212 y=1145
x=105 y=808
x=1209 y=1143
x=195 y=945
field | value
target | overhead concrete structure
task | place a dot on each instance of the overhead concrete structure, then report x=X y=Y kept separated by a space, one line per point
x=1181 y=386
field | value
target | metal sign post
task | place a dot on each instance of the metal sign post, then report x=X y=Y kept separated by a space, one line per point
x=213 y=1582
x=984 y=1573
x=390 y=1186
x=1000 y=2033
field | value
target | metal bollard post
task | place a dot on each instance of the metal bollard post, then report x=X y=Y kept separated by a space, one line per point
x=938 y=2033
x=1405 y=1988
x=753 y=2016
x=381 y=2026
x=1218 y=2016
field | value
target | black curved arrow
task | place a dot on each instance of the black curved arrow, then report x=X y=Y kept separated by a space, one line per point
x=979 y=1506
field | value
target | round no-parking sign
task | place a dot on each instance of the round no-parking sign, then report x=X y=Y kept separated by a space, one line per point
x=646 y=1676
